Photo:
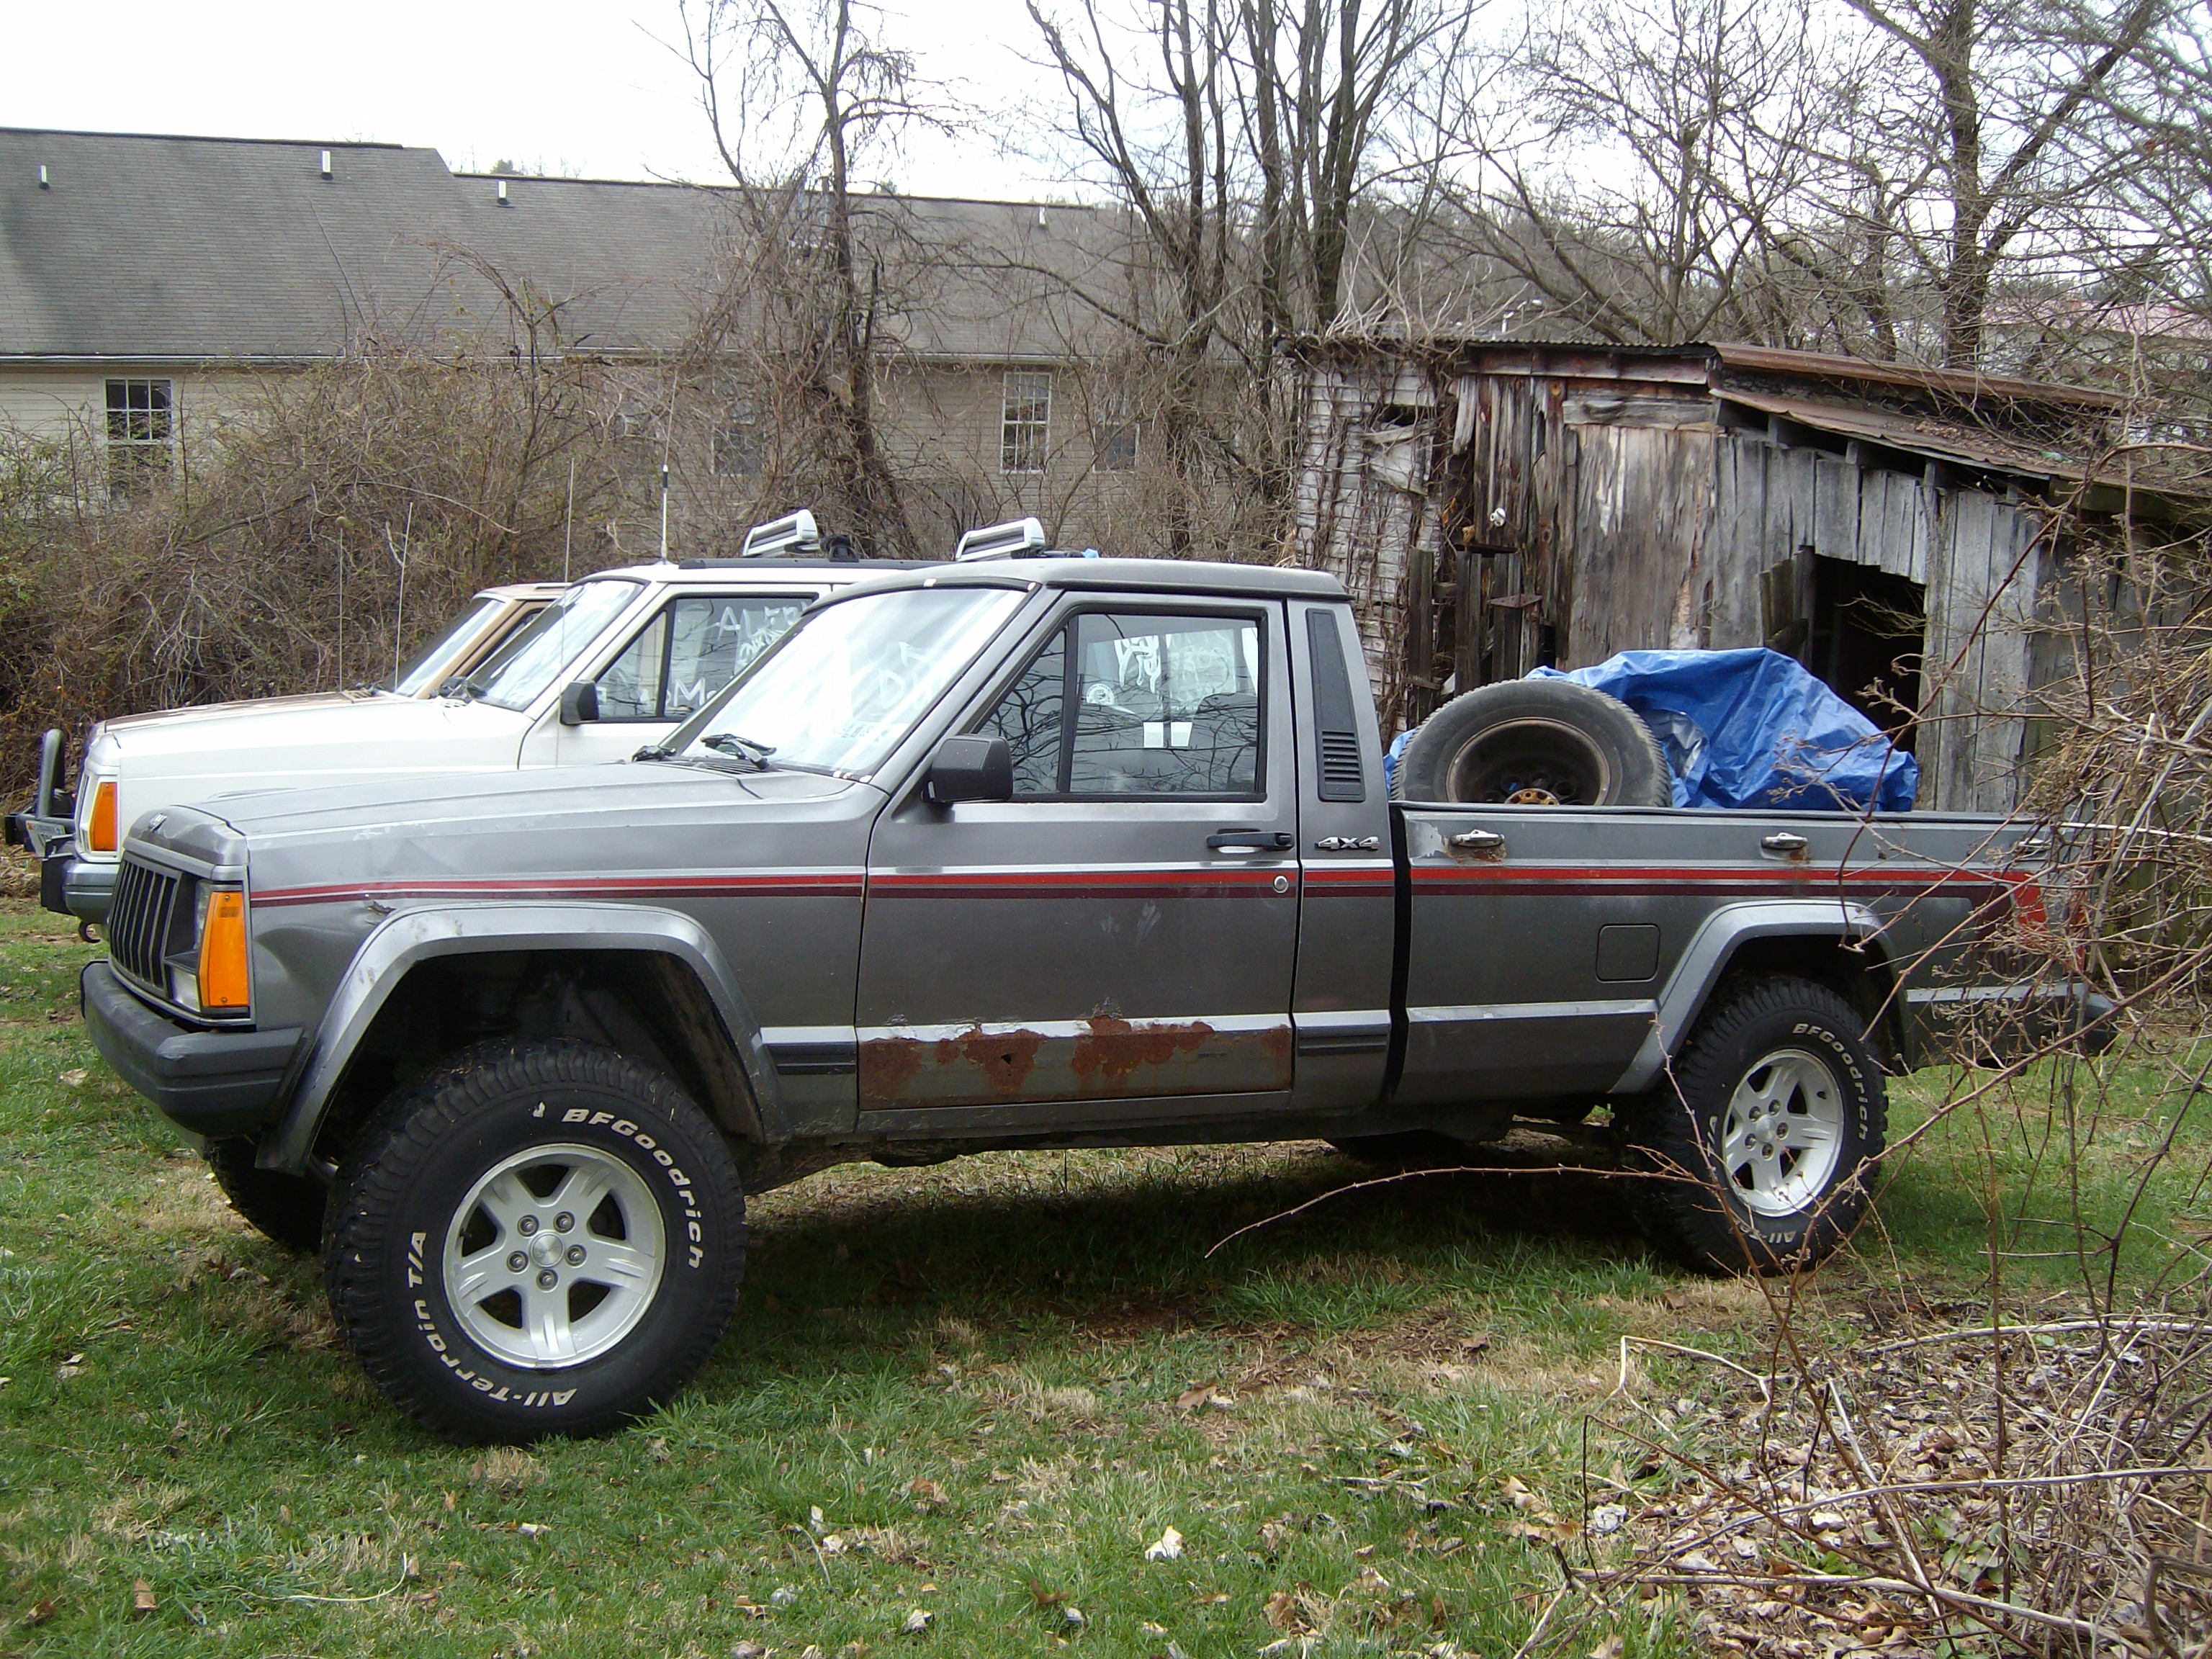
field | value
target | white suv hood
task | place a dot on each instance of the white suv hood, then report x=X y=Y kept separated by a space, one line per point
x=300 y=744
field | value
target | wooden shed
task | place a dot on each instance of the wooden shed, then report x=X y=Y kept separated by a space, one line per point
x=1495 y=506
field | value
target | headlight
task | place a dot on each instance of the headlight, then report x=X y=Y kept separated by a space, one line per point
x=99 y=823
x=218 y=981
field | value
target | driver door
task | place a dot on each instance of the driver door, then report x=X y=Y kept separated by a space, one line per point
x=1124 y=930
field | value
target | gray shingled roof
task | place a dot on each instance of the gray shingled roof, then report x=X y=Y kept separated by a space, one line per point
x=228 y=250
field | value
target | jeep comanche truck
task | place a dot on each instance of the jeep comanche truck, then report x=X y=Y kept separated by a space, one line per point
x=1021 y=852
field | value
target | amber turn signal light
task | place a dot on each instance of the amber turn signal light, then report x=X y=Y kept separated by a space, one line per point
x=223 y=985
x=103 y=818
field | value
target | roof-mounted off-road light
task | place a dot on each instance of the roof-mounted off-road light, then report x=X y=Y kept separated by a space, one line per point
x=795 y=533
x=1017 y=538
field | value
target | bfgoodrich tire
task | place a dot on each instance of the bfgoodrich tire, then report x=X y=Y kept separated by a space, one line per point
x=547 y=1238
x=287 y=1208
x=1779 y=1113
x=1544 y=743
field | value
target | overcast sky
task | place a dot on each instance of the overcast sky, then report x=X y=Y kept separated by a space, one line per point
x=562 y=85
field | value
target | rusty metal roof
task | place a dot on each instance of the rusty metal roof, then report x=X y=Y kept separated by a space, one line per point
x=1966 y=386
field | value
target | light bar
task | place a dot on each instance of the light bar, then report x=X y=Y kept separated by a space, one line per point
x=795 y=531
x=1010 y=540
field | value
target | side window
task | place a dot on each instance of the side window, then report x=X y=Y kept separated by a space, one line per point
x=714 y=638
x=1029 y=718
x=1163 y=705
x=629 y=686
x=690 y=651
x=1166 y=706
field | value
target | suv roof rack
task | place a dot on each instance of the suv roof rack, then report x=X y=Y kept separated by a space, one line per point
x=1017 y=538
x=795 y=533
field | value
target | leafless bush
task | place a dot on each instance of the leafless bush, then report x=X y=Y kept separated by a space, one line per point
x=334 y=518
x=2011 y=1456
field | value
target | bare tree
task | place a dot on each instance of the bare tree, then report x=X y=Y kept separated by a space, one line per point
x=1654 y=185
x=2007 y=97
x=1253 y=143
x=800 y=95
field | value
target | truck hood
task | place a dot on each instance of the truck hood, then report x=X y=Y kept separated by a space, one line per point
x=303 y=742
x=641 y=817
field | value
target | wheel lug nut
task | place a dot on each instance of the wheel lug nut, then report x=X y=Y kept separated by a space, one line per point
x=575 y=1255
x=527 y=1225
x=548 y=1279
x=518 y=1261
x=562 y=1222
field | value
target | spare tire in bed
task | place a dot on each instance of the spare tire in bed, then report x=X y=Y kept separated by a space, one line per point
x=1539 y=743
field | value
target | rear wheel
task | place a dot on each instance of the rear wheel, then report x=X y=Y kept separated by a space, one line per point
x=287 y=1208
x=546 y=1238
x=1777 y=1112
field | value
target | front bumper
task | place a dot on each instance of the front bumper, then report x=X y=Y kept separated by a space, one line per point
x=42 y=835
x=212 y=1083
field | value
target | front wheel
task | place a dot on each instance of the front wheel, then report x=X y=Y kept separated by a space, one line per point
x=547 y=1238
x=1759 y=1156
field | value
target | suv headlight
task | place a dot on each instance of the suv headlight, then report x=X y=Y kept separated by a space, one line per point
x=100 y=835
x=214 y=978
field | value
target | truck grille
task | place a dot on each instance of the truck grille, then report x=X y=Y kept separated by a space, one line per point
x=138 y=922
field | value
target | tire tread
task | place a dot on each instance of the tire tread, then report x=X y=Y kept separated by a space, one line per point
x=1686 y=1217
x=404 y=1132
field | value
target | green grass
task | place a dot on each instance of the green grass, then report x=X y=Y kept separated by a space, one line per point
x=970 y=1371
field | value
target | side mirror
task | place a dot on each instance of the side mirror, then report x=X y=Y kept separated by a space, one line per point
x=975 y=768
x=580 y=703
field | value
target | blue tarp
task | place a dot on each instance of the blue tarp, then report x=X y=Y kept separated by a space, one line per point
x=1752 y=729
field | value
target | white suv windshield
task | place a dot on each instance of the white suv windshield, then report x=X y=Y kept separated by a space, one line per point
x=851 y=680
x=534 y=658
x=432 y=658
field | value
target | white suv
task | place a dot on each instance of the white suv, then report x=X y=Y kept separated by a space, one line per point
x=618 y=659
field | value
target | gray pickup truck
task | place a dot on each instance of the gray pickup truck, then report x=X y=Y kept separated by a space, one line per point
x=1035 y=852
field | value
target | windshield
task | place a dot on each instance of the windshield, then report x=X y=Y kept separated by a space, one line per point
x=522 y=668
x=851 y=680
x=428 y=664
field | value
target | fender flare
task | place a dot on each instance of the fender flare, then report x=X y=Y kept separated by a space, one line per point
x=1699 y=969
x=412 y=937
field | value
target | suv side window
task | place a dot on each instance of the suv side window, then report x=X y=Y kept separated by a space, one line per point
x=691 y=649
x=1165 y=705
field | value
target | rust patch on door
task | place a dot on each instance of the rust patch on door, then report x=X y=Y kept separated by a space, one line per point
x=1003 y=1057
x=1112 y=1049
x=887 y=1066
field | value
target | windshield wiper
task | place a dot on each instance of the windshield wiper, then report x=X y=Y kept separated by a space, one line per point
x=654 y=751
x=729 y=743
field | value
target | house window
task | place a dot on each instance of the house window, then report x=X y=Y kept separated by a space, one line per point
x=1116 y=434
x=141 y=431
x=738 y=442
x=1025 y=421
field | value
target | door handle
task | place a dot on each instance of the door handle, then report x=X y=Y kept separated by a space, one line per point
x=1785 y=844
x=1483 y=843
x=1250 y=840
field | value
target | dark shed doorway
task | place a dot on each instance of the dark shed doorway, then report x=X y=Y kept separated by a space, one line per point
x=1869 y=627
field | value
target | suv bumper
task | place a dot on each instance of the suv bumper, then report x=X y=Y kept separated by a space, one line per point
x=212 y=1083
x=27 y=828
x=86 y=889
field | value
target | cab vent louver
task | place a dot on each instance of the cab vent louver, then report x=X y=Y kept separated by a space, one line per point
x=1342 y=773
